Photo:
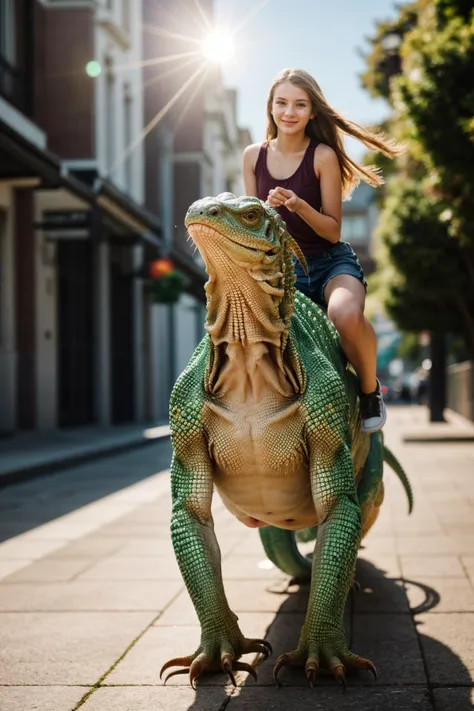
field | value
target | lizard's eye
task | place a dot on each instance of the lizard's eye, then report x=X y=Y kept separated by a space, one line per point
x=251 y=216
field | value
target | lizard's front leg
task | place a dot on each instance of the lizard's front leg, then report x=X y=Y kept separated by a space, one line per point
x=322 y=642
x=199 y=560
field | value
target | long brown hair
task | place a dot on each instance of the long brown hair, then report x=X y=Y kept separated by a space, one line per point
x=329 y=127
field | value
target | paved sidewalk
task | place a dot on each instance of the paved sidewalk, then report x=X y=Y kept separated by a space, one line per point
x=28 y=454
x=92 y=602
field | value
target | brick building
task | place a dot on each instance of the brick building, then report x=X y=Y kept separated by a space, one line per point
x=86 y=204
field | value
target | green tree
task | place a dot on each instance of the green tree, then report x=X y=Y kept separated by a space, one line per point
x=426 y=273
x=429 y=285
x=434 y=98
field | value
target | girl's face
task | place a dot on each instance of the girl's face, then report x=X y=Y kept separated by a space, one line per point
x=291 y=108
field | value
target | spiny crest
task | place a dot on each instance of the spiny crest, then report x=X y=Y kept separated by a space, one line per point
x=289 y=248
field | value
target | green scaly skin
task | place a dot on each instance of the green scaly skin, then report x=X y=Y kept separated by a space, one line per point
x=343 y=465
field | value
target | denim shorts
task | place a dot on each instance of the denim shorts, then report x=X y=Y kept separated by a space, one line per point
x=340 y=259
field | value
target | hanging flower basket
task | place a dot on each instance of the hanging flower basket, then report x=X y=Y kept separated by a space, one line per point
x=167 y=282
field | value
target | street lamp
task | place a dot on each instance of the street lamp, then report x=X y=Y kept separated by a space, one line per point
x=93 y=69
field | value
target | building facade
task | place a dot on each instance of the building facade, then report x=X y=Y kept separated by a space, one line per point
x=192 y=149
x=96 y=174
x=359 y=218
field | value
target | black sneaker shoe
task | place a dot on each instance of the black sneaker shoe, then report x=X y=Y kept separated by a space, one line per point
x=372 y=410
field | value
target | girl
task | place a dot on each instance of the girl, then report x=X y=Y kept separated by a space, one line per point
x=303 y=171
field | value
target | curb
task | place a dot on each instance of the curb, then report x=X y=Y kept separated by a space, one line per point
x=31 y=471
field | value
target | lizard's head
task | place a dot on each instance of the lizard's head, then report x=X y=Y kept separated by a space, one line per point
x=245 y=243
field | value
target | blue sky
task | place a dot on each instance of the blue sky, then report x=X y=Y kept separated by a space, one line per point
x=321 y=36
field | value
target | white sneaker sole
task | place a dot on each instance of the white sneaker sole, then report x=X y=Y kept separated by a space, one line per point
x=377 y=427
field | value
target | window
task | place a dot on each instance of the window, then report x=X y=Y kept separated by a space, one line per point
x=127 y=138
x=8 y=49
x=354 y=228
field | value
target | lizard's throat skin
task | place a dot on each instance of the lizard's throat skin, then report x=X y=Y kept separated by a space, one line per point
x=248 y=334
x=243 y=296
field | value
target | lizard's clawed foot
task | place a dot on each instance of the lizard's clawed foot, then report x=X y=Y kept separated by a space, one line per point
x=206 y=661
x=337 y=665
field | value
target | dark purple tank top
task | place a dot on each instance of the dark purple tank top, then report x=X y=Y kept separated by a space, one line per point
x=306 y=185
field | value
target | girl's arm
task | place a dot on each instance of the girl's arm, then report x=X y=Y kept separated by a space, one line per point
x=327 y=223
x=248 y=169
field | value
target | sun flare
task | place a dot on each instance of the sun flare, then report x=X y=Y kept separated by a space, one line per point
x=218 y=46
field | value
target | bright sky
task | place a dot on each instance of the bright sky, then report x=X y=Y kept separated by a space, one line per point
x=321 y=36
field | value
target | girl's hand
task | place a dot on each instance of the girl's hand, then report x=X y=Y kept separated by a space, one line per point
x=280 y=196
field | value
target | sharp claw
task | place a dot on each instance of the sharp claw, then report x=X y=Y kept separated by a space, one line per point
x=195 y=670
x=312 y=670
x=371 y=668
x=178 y=671
x=340 y=676
x=280 y=662
x=227 y=668
x=176 y=662
x=266 y=644
x=243 y=666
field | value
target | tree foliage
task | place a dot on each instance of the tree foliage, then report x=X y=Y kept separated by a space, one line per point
x=429 y=288
x=434 y=99
x=384 y=63
x=427 y=220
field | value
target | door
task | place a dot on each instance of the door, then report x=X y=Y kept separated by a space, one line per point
x=76 y=333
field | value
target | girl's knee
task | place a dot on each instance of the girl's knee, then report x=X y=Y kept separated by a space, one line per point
x=347 y=318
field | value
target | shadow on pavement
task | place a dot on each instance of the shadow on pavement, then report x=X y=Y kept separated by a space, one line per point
x=29 y=504
x=379 y=626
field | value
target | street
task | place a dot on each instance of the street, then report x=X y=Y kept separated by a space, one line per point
x=92 y=602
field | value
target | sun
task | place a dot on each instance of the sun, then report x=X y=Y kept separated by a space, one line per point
x=218 y=46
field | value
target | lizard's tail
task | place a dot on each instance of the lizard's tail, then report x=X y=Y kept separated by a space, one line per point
x=394 y=464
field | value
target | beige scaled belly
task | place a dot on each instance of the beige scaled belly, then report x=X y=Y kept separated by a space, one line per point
x=260 y=464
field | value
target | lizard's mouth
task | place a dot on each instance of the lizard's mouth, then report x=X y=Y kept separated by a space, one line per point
x=200 y=231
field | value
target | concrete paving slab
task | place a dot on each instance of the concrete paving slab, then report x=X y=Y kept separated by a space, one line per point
x=87 y=596
x=448 y=647
x=145 y=547
x=251 y=567
x=155 y=531
x=40 y=698
x=16 y=549
x=390 y=641
x=329 y=699
x=160 y=643
x=379 y=594
x=65 y=648
x=432 y=566
x=8 y=567
x=126 y=698
x=90 y=547
x=454 y=699
x=47 y=571
x=246 y=596
x=126 y=568
x=379 y=564
x=429 y=545
x=455 y=594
